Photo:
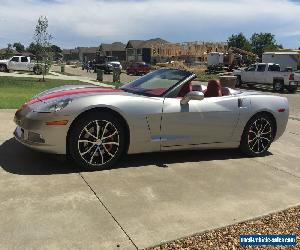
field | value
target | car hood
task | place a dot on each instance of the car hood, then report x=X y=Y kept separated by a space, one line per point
x=4 y=61
x=72 y=91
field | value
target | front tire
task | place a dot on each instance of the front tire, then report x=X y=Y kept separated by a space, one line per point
x=239 y=81
x=258 y=135
x=291 y=89
x=96 y=141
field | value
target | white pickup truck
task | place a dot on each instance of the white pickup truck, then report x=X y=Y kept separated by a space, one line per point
x=268 y=73
x=19 y=63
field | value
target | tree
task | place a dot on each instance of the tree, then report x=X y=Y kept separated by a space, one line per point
x=239 y=41
x=56 y=52
x=43 y=43
x=261 y=42
x=9 y=51
x=19 y=47
x=33 y=48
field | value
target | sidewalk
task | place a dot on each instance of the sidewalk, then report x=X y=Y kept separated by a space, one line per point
x=54 y=75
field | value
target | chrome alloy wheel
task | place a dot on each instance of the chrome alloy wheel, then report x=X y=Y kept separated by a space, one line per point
x=98 y=142
x=260 y=135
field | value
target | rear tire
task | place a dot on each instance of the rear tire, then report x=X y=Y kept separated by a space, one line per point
x=278 y=86
x=96 y=141
x=3 y=68
x=258 y=135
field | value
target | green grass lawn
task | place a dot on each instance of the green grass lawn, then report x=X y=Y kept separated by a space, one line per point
x=15 y=91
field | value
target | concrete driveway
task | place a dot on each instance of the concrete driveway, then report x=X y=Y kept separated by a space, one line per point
x=147 y=199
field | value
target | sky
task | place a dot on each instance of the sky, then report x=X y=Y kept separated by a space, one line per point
x=92 y=22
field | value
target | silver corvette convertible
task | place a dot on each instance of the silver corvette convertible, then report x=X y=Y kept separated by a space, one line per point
x=163 y=110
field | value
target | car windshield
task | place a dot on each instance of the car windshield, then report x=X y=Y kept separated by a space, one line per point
x=157 y=82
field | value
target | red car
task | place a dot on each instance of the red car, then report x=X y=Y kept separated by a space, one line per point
x=138 y=68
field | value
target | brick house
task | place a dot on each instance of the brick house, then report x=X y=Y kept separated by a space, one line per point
x=116 y=49
x=70 y=54
x=142 y=50
x=87 y=53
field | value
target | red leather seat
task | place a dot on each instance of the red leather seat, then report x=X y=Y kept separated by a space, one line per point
x=214 y=89
x=186 y=88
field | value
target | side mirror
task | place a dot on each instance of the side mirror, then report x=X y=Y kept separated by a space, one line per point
x=193 y=95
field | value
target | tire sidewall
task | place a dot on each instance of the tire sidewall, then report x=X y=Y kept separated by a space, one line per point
x=238 y=81
x=278 y=86
x=292 y=89
x=244 y=146
x=3 y=68
x=75 y=131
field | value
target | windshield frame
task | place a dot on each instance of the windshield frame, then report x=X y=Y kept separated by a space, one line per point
x=190 y=76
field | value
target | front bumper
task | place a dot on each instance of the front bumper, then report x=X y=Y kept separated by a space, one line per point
x=33 y=132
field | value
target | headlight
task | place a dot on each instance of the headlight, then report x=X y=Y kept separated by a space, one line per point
x=54 y=106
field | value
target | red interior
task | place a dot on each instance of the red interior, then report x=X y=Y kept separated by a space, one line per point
x=186 y=88
x=214 y=89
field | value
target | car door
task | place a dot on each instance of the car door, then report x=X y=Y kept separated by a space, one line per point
x=260 y=73
x=24 y=64
x=211 y=120
x=13 y=64
x=249 y=75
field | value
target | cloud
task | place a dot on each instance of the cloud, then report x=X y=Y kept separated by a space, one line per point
x=91 y=22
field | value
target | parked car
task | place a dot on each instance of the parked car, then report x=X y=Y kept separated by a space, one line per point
x=20 y=63
x=268 y=73
x=163 y=110
x=107 y=64
x=138 y=68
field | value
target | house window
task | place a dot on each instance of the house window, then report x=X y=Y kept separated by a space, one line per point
x=129 y=52
x=139 y=51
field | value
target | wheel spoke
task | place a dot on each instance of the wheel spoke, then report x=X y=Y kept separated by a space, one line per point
x=97 y=129
x=111 y=155
x=258 y=145
x=101 y=155
x=252 y=140
x=85 y=152
x=104 y=130
x=262 y=144
x=87 y=131
x=265 y=138
x=111 y=143
x=253 y=144
x=92 y=157
x=103 y=138
x=266 y=133
x=255 y=126
x=86 y=141
x=263 y=129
